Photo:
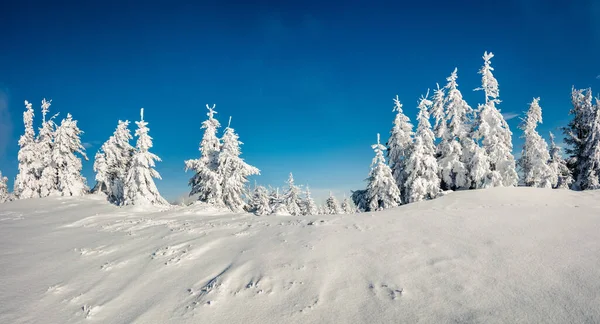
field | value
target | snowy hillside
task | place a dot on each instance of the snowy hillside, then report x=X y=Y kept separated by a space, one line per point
x=503 y=255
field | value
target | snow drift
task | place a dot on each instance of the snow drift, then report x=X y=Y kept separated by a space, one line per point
x=503 y=255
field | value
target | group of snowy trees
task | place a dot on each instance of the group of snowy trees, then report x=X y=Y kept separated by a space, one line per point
x=294 y=201
x=470 y=148
x=126 y=174
x=48 y=164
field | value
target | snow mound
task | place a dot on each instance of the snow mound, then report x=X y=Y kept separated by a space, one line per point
x=504 y=255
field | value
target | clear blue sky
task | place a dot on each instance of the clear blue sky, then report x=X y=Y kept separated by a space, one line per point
x=308 y=83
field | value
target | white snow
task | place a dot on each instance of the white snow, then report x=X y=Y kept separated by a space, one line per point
x=501 y=255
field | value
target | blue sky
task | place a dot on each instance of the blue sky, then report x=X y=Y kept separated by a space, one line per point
x=308 y=83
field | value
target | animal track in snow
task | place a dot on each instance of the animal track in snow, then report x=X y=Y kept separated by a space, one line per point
x=172 y=254
x=392 y=292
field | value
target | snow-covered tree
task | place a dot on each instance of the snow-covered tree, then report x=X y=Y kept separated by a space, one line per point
x=259 y=202
x=47 y=173
x=308 y=204
x=112 y=163
x=382 y=190
x=359 y=197
x=207 y=182
x=438 y=113
x=422 y=180
x=534 y=156
x=562 y=178
x=398 y=145
x=332 y=207
x=291 y=197
x=234 y=171
x=140 y=188
x=26 y=184
x=276 y=202
x=4 y=195
x=492 y=129
x=453 y=155
x=589 y=168
x=347 y=207
x=67 y=142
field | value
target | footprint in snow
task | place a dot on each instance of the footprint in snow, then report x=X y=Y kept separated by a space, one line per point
x=391 y=292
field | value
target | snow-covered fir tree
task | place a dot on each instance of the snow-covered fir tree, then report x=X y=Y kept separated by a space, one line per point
x=453 y=154
x=47 y=173
x=398 y=145
x=589 y=168
x=140 y=188
x=332 y=207
x=277 y=204
x=562 y=178
x=495 y=135
x=382 y=191
x=67 y=142
x=308 y=204
x=259 y=202
x=4 y=195
x=207 y=182
x=291 y=197
x=26 y=184
x=234 y=171
x=422 y=180
x=112 y=163
x=438 y=113
x=347 y=207
x=535 y=156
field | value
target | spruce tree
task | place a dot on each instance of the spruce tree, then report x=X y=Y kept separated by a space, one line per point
x=562 y=178
x=347 y=207
x=47 y=172
x=67 y=142
x=277 y=204
x=578 y=130
x=207 y=182
x=422 y=181
x=26 y=184
x=101 y=169
x=493 y=131
x=234 y=171
x=438 y=112
x=382 y=191
x=4 y=195
x=398 y=145
x=259 y=202
x=534 y=156
x=308 y=204
x=140 y=188
x=332 y=207
x=291 y=198
x=589 y=168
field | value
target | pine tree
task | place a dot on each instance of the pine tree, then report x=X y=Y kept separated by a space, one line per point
x=67 y=142
x=47 y=173
x=26 y=183
x=347 y=207
x=359 y=197
x=139 y=185
x=534 y=156
x=453 y=153
x=577 y=131
x=382 y=191
x=438 y=113
x=4 y=195
x=101 y=169
x=332 y=207
x=207 y=182
x=234 y=171
x=277 y=204
x=291 y=198
x=589 y=168
x=562 y=178
x=422 y=181
x=398 y=145
x=259 y=203
x=492 y=129
x=308 y=204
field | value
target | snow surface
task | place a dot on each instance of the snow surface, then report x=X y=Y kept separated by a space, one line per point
x=502 y=255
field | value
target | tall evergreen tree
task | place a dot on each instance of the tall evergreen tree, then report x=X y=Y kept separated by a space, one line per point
x=332 y=207
x=347 y=207
x=492 y=129
x=422 y=181
x=589 y=168
x=259 y=202
x=398 y=145
x=47 y=173
x=562 y=178
x=234 y=171
x=438 y=112
x=101 y=169
x=451 y=152
x=308 y=204
x=291 y=198
x=535 y=156
x=68 y=142
x=207 y=182
x=382 y=191
x=359 y=197
x=26 y=184
x=139 y=185
x=4 y=195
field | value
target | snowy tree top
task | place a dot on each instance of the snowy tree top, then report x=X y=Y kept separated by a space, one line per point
x=489 y=84
x=211 y=111
x=397 y=105
x=45 y=107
